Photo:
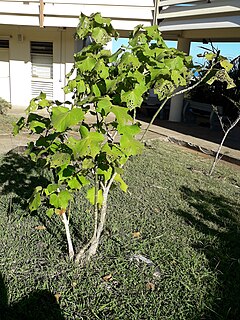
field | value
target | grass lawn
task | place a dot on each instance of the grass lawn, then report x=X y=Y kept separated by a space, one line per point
x=6 y=123
x=188 y=226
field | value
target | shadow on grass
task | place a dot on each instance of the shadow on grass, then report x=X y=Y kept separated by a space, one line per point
x=19 y=177
x=38 y=305
x=218 y=218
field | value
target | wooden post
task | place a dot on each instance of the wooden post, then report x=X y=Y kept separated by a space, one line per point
x=155 y=14
x=41 y=15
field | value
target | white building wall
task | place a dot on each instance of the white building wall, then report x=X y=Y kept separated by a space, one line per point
x=20 y=60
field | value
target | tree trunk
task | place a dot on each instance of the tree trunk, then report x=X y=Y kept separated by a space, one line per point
x=69 y=240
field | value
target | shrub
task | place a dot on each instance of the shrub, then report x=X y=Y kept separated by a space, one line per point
x=4 y=106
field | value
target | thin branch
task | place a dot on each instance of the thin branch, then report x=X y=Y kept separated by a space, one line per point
x=216 y=158
x=174 y=95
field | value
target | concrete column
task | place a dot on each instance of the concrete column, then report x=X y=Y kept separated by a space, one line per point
x=177 y=102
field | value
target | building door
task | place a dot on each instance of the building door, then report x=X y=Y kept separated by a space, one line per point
x=4 y=70
x=42 y=68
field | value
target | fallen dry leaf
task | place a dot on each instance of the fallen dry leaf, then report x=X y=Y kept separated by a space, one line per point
x=60 y=211
x=150 y=286
x=57 y=297
x=40 y=228
x=107 y=277
x=136 y=234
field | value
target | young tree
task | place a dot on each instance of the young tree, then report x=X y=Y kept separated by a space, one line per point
x=101 y=83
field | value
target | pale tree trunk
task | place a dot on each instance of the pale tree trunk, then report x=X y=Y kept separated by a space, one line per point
x=90 y=249
x=69 y=240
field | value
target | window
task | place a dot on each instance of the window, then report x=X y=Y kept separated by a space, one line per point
x=4 y=44
x=42 y=59
x=42 y=68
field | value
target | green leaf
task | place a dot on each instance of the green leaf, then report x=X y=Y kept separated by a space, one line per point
x=88 y=146
x=100 y=36
x=44 y=103
x=163 y=88
x=102 y=70
x=83 y=131
x=81 y=86
x=51 y=188
x=96 y=91
x=177 y=78
x=130 y=130
x=91 y=196
x=133 y=98
x=128 y=61
x=18 y=126
x=99 y=19
x=35 y=200
x=37 y=126
x=53 y=200
x=84 y=27
x=88 y=163
x=121 y=114
x=50 y=212
x=123 y=185
x=104 y=106
x=130 y=146
x=63 y=118
x=84 y=181
x=210 y=56
x=74 y=183
x=226 y=65
x=60 y=200
x=106 y=173
x=60 y=159
x=86 y=65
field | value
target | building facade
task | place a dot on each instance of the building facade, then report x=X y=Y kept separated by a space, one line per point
x=37 y=36
x=37 y=41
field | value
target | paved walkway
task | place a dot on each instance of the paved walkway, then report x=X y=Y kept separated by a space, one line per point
x=167 y=131
x=188 y=140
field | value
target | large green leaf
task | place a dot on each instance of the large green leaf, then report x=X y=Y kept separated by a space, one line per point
x=102 y=69
x=60 y=159
x=104 y=106
x=163 y=88
x=123 y=185
x=60 y=200
x=35 y=200
x=226 y=65
x=63 y=118
x=106 y=173
x=128 y=61
x=133 y=98
x=100 y=20
x=74 y=183
x=88 y=146
x=100 y=36
x=130 y=146
x=121 y=114
x=86 y=65
x=177 y=78
x=130 y=130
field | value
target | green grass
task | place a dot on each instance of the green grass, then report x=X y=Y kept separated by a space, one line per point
x=6 y=123
x=189 y=226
